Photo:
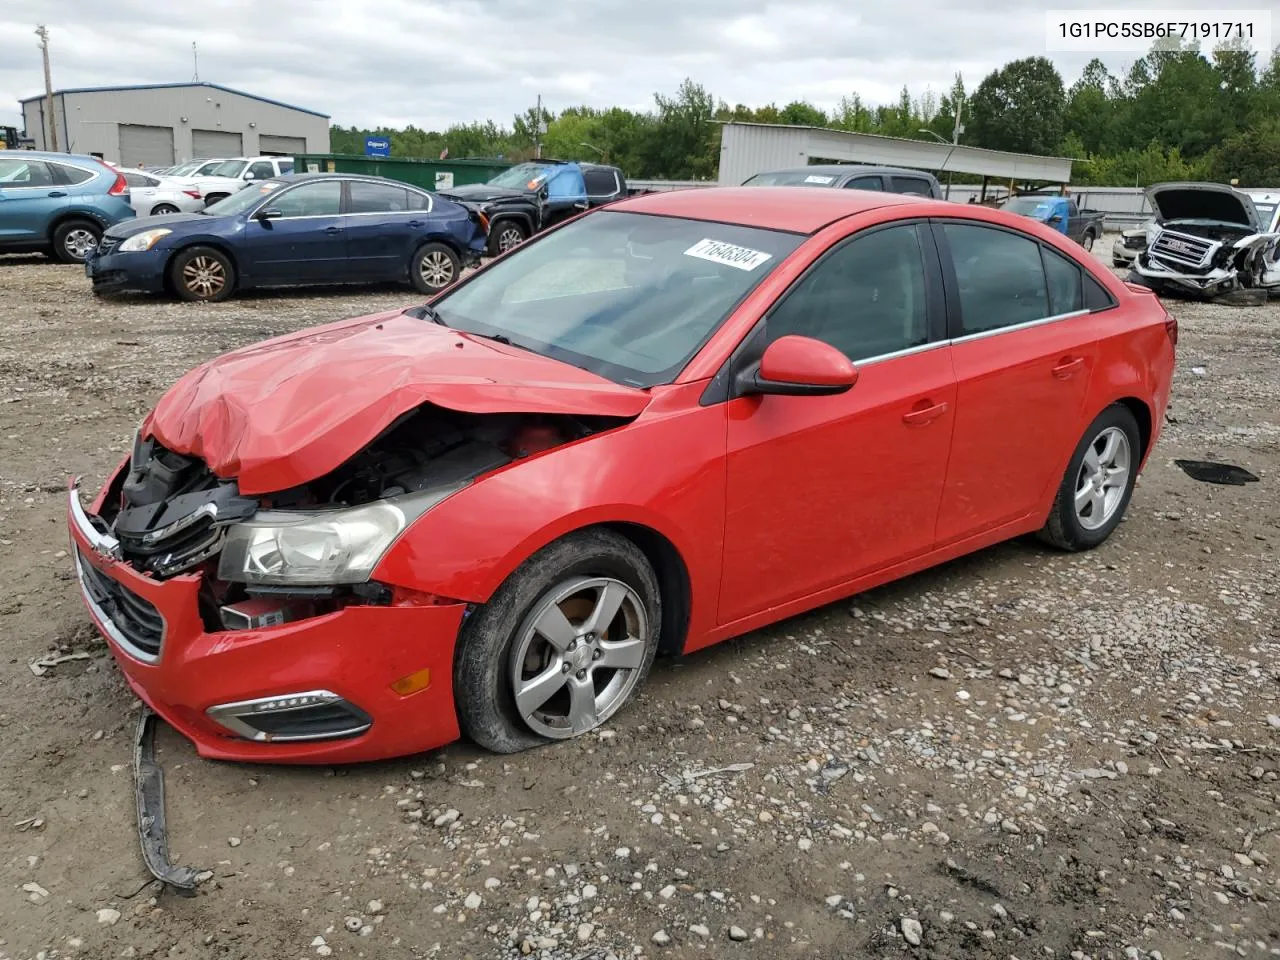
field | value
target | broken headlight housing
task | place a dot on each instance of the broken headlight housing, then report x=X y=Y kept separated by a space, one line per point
x=313 y=548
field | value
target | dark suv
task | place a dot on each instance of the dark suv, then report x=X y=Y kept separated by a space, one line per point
x=532 y=196
x=852 y=176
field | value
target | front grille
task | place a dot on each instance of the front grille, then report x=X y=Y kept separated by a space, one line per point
x=139 y=624
x=1181 y=248
x=107 y=245
x=174 y=552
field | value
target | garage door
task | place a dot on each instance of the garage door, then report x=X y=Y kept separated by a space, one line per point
x=149 y=146
x=270 y=146
x=215 y=143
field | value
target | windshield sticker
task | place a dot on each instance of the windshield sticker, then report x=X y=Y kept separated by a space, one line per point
x=742 y=258
x=814 y=178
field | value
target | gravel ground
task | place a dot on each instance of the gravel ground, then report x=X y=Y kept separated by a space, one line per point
x=1020 y=754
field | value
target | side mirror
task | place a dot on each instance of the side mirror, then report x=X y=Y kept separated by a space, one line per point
x=268 y=214
x=1056 y=218
x=799 y=366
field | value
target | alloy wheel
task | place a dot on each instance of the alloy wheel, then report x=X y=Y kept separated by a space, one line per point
x=579 y=656
x=508 y=238
x=436 y=269
x=204 y=276
x=79 y=243
x=1103 y=478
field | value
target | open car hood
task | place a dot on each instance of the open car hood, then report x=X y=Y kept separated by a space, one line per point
x=284 y=412
x=1202 y=201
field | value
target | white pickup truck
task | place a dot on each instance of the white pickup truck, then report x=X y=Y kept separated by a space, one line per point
x=218 y=179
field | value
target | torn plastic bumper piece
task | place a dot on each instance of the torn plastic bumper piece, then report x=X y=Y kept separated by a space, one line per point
x=148 y=780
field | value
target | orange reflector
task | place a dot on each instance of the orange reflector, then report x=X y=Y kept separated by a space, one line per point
x=412 y=683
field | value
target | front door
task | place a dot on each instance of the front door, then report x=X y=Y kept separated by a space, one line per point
x=306 y=243
x=29 y=197
x=824 y=489
x=1023 y=361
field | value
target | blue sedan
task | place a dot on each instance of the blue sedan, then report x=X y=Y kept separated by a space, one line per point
x=294 y=230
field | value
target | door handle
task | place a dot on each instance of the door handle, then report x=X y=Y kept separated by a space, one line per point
x=925 y=412
x=1067 y=366
x=57 y=193
x=415 y=223
x=332 y=229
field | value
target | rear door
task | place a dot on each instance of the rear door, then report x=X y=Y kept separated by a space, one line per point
x=306 y=243
x=142 y=191
x=30 y=195
x=865 y=183
x=1023 y=358
x=383 y=222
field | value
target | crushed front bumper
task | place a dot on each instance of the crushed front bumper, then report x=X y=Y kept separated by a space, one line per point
x=141 y=272
x=1210 y=283
x=207 y=683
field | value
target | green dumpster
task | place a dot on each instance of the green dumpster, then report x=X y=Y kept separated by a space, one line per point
x=430 y=174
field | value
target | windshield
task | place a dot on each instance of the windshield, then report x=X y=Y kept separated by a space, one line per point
x=1265 y=210
x=182 y=169
x=242 y=200
x=523 y=176
x=227 y=168
x=791 y=178
x=627 y=296
x=1029 y=206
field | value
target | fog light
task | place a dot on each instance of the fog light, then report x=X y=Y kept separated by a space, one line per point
x=310 y=715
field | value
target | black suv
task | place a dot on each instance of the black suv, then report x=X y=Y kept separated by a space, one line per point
x=532 y=196
x=852 y=176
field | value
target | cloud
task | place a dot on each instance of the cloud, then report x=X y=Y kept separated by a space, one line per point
x=437 y=62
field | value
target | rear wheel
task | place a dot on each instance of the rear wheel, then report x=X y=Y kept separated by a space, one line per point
x=1099 y=481
x=1087 y=241
x=506 y=235
x=561 y=646
x=75 y=240
x=433 y=267
x=160 y=209
x=213 y=198
x=202 y=274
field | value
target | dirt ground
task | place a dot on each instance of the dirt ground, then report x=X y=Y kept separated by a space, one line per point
x=1021 y=754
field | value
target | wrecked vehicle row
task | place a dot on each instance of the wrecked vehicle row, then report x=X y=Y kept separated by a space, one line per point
x=647 y=429
x=1207 y=240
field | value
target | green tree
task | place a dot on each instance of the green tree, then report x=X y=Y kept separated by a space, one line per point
x=1019 y=107
x=1251 y=156
x=685 y=141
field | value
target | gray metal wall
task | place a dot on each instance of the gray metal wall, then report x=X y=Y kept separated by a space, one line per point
x=89 y=122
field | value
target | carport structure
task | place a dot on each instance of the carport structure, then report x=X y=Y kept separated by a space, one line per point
x=750 y=148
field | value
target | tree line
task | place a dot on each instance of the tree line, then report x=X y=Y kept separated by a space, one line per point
x=1175 y=114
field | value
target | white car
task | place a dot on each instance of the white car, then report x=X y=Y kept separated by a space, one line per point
x=217 y=179
x=151 y=196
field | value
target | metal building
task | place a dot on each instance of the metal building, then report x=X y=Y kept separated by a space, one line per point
x=162 y=124
x=750 y=148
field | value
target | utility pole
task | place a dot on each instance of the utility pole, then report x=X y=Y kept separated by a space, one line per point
x=959 y=127
x=43 y=34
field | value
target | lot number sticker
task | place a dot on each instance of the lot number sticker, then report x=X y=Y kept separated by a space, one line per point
x=743 y=258
x=814 y=178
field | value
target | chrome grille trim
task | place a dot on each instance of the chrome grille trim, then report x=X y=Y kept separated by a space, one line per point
x=1182 y=248
x=113 y=630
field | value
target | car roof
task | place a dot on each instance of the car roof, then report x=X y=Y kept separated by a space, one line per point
x=50 y=155
x=840 y=169
x=339 y=175
x=794 y=209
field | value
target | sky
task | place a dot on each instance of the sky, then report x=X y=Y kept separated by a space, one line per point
x=437 y=62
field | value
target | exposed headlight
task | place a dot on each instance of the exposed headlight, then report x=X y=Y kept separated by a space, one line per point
x=321 y=547
x=144 y=240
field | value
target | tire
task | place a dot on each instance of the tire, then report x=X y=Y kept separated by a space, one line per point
x=202 y=275
x=74 y=240
x=213 y=198
x=1092 y=481
x=506 y=235
x=501 y=647
x=1087 y=241
x=160 y=209
x=433 y=267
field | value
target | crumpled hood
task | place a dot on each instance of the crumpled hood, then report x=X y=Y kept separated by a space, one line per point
x=174 y=221
x=281 y=413
x=1202 y=201
x=483 y=193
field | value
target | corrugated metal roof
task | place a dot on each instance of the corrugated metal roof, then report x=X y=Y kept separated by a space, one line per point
x=164 y=86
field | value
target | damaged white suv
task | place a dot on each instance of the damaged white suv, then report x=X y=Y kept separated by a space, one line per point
x=1207 y=239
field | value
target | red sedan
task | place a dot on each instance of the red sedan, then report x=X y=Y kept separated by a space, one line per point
x=662 y=424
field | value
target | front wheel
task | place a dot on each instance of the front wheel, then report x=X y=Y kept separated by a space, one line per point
x=75 y=240
x=1087 y=242
x=506 y=235
x=1099 y=481
x=202 y=274
x=433 y=267
x=561 y=646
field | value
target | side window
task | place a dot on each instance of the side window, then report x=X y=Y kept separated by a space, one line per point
x=910 y=185
x=1064 y=279
x=601 y=183
x=260 y=170
x=377 y=198
x=1072 y=209
x=865 y=183
x=1000 y=276
x=64 y=173
x=418 y=201
x=25 y=173
x=138 y=181
x=323 y=199
x=1095 y=294
x=866 y=298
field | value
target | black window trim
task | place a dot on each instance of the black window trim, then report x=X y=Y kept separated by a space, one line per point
x=844 y=185
x=749 y=350
x=955 y=321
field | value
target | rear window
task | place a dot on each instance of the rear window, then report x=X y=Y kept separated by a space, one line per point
x=792 y=178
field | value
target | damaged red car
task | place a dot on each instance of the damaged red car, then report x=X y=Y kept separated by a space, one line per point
x=664 y=423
